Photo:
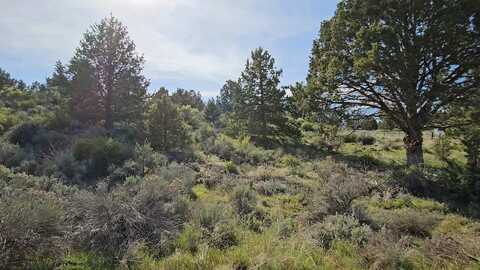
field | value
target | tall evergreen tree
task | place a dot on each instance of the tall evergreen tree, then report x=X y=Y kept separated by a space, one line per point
x=107 y=76
x=212 y=111
x=262 y=97
x=230 y=98
x=59 y=79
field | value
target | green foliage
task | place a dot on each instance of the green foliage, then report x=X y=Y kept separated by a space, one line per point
x=166 y=130
x=189 y=239
x=11 y=155
x=212 y=111
x=244 y=200
x=107 y=82
x=361 y=48
x=182 y=97
x=240 y=150
x=100 y=153
x=339 y=227
x=256 y=100
x=290 y=161
x=230 y=167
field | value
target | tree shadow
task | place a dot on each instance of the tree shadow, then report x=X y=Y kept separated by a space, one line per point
x=364 y=162
x=452 y=185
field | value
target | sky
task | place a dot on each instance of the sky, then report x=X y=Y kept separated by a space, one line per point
x=190 y=44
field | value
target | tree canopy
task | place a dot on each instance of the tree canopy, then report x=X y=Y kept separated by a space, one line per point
x=407 y=59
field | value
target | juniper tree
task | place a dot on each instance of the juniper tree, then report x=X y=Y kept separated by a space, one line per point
x=406 y=59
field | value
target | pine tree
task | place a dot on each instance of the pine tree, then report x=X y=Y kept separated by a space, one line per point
x=212 y=111
x=262 y=97
x=59 y=79
x=107 y=76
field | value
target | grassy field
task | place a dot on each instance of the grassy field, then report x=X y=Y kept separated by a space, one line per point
x=240 y=206
x=388 y=148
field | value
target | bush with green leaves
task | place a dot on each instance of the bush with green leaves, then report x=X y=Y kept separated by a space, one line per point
x=210 y=215
x=190 y=239
x=244 y=200
x=100 y=153
x=339 y=227
x=240 y=150
x=230 y=168
x=290 y=161
x=11 y=155
x=23 y=134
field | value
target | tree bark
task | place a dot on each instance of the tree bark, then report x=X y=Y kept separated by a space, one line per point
x=414 y=147
x=108 y=112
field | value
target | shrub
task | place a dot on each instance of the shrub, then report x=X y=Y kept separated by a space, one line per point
x=210 y=216
x=367 y=140
x=11 y=155
x=223 y=236
x=244 y=200
x=339 y=227
x=385 y=251
x=147 y=160
x=230 y=167
x=271 y=187
x=350 y=138
x=289 y=161
x=445 y=249
x=239 y=150
x=341 y=187
x=100 y=153
x=189 y=239
x=407 y=221
x=23 y=134
x=67 y=168
x=257 y=220
x=111 y=223
x=308 y=126
x=30 y=227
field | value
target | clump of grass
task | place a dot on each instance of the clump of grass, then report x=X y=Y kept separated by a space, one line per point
x=230 y=167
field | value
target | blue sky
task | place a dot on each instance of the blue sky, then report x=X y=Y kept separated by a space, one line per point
x=192 y=44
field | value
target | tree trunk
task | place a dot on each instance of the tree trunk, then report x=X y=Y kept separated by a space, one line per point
x=108 y=112
x=414 y=148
